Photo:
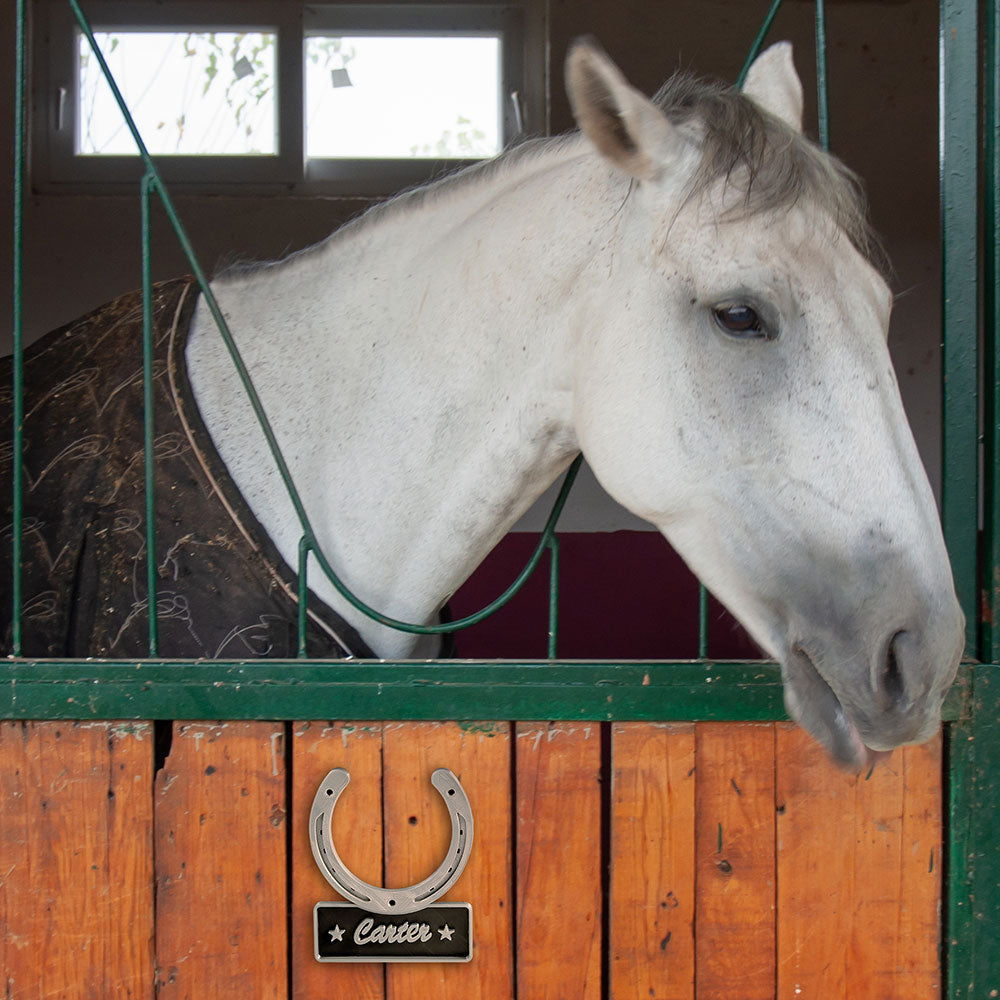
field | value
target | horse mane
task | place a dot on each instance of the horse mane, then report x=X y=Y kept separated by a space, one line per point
x=408 y=200
x=773 y=165
x=742 y=146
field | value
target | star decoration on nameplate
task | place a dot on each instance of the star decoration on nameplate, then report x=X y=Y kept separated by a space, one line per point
x=445 y=932
x=337 y=934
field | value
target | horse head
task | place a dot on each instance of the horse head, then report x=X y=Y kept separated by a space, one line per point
x=735 y=389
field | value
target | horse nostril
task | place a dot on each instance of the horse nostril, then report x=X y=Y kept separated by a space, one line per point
x=891 y=679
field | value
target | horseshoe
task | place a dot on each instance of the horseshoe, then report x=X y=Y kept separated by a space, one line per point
x=375 y=898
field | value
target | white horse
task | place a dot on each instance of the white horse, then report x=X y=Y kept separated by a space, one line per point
x=685 y=293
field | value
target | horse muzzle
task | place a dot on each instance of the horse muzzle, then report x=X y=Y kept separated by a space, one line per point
x=862 y=706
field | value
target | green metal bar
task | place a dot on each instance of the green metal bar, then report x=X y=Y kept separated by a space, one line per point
x=461 y=690
x=959 y=925
x=758 y=43
x=822 y=89
x=822 y=98
x=148 y=419
x=17 y=457
x=81 y=20
x=991 y=320
x=553 y=596
x=959 y=145
x=303 y=580
x=702 y=622
x=548 y=533
x=973 y=904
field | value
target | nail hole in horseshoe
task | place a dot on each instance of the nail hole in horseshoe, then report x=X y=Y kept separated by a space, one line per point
x=451 y=791
x=392 y=902
x=329 y=791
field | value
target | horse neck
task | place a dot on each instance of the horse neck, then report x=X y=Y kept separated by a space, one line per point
x=417 y=371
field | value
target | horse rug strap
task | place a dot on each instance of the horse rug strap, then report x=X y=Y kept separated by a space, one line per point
x=223 y=589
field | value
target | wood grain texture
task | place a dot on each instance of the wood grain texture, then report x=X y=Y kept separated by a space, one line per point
x=559 y=909
x=859 y=879
x=417 y=834
x=357 y=833
x=735 y=908
x=653 y=852
x=76 y=882
x=900 y=842
x=221 y=905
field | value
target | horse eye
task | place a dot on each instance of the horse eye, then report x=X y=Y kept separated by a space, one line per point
x=741 y=321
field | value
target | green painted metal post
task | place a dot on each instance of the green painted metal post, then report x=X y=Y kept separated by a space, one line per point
x=973 y=922
x=959 y=145
x=17 y=457
x=148 y=423
x=553 y=596
x=758 y=42
x=974 y=872
x=990 y=637
x=303 y=581
x=822 y=99
x=959 y=929
x=702 y=622
x=973 y=905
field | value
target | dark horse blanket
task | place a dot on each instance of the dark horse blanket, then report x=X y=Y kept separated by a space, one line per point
x=222 y=589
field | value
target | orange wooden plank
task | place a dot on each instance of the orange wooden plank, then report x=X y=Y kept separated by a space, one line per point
x=898 y=830
x=859 y=882
x=922 y=850
x=417 y=832
x=653 y=861
x=815 y=860
x=559 y=911
x=76 y=880
x=735 y=918
x=357 y=832
x=220 y=863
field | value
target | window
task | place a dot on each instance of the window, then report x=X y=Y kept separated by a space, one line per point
x=330 y=98
x=200 y=93
x=394 y=96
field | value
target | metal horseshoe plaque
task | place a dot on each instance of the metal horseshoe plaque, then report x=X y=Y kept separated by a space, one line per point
x=391 y=925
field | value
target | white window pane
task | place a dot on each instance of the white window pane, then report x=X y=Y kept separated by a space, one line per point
x=190 y=93
x=409 y=96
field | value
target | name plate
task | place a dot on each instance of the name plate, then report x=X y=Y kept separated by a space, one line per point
x=440 y=932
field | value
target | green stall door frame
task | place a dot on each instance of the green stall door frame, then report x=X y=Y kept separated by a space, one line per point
x=970 y=87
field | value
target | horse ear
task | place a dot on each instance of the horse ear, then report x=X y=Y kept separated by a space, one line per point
x=625 y=125
x=773 y=84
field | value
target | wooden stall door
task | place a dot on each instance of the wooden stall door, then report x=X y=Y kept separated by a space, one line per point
x=697 y=861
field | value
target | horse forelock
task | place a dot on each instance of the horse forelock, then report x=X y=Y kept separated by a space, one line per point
x=772 y=166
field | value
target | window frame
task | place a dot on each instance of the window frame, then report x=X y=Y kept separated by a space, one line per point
x=57 y=168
